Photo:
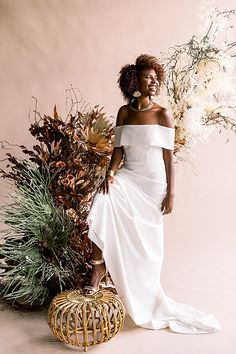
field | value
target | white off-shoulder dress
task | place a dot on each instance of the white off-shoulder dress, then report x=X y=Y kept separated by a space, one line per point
x=127 y=225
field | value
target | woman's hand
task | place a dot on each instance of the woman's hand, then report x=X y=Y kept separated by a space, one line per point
x=167 y=204
x=105 y=184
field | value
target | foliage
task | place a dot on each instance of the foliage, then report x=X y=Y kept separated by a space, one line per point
x=76 y=152
x=47 y=248
x=36 y=258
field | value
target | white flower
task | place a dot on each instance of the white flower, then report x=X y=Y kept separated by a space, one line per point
x=199 y=81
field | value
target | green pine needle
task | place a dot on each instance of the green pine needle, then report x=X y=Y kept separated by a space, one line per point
x=36 y=257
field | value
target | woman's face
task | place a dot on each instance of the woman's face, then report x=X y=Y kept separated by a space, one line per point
x=148 y=83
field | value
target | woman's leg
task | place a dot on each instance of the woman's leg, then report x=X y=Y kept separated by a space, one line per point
x=96 y=252
x=99 y=269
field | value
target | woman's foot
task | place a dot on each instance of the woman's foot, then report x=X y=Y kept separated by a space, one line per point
x=99 y=274
x=97 y=271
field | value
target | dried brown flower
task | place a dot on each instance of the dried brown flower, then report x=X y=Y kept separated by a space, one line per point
x=60 y=164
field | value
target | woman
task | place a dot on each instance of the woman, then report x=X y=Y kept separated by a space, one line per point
x=126 y=220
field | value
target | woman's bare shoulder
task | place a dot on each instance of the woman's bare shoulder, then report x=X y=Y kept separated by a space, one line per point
x=165 y=117
x=122 y=114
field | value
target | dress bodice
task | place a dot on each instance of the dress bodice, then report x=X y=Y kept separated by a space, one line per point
x=145 y=134
x=144 y=143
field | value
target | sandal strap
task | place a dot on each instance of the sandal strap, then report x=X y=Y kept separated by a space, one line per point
x=107 y=285
x=90 y=288
x=97 y=261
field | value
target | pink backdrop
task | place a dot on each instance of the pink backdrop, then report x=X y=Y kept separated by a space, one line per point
x=46 y=45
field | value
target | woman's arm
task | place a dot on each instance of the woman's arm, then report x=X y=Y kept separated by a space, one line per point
x=116 y=158
x=170 y=171
x=167 y=121
x=117 y=153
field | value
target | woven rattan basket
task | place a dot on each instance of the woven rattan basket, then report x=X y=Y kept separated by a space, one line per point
x=85 y=320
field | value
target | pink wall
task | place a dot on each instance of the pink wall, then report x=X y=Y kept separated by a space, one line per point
x=46 y=45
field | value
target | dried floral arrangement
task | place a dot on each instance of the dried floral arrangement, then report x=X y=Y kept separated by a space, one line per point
x=47 y=249
x=198 y=88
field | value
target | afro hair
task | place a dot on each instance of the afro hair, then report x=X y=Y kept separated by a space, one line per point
x=129 y=74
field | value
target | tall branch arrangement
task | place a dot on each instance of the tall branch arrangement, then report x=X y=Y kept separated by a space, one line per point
x=199 y=88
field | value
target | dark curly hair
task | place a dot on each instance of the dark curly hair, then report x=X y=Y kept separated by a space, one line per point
x=129 y=74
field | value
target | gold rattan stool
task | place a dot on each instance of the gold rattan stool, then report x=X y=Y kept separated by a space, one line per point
x=85 y=320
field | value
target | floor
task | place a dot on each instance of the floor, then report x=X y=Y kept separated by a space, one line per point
x=27 y=332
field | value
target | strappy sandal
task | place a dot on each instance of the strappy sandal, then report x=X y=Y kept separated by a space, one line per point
x=89 y=289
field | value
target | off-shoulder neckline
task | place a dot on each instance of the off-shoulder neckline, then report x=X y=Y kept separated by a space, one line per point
x=141 y=125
